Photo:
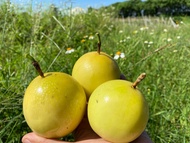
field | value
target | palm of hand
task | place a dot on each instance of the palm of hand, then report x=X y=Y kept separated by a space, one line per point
x=83 y=134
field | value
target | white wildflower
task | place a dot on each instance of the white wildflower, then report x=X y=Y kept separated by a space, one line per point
x=119 y=55
x=69 y=51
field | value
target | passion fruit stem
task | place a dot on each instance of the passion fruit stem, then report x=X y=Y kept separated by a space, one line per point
x=36 y=65
x=138 y=80
x=99 y=43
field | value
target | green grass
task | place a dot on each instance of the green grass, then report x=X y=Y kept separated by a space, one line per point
x=151 y=45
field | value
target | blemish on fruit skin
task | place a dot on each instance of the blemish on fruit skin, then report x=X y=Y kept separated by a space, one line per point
x=96 y=101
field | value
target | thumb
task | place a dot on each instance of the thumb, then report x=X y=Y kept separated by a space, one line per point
x=33 y=138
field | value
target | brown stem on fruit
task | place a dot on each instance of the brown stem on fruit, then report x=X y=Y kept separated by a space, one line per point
x=99 y=43
x=36 y=65
x=138 y=80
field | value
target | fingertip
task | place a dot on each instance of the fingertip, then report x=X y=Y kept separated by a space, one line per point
x=26 y=141
x=26 y=138
x=33 y=138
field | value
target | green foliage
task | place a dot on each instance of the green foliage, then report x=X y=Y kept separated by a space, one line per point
x=153 y=7
x=152 y=45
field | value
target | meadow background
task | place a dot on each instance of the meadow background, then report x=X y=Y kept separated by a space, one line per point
x=154 y=45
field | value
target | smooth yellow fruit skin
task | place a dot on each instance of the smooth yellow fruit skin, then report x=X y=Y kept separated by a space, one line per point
x=93 y=69
x=117 y=112
x=53 y=106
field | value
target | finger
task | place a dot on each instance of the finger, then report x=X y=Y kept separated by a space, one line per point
x=85 y=134
x=99 y=140
x=33 y=138
x=84 y=131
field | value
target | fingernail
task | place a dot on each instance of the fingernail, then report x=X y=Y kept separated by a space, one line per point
x=26 y=141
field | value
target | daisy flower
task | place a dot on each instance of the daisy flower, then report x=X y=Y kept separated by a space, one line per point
x=165 y=30
x=128 y=37
x=86 y=36
x=91 y=37
x=169 y=39
x=178 y=37
x=119 y=55
x=142 y=28
x=69 y=51
x=150 y=42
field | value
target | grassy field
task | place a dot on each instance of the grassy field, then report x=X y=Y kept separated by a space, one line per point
x=151 y=44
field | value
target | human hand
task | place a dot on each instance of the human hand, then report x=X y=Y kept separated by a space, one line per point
x=83 y=134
